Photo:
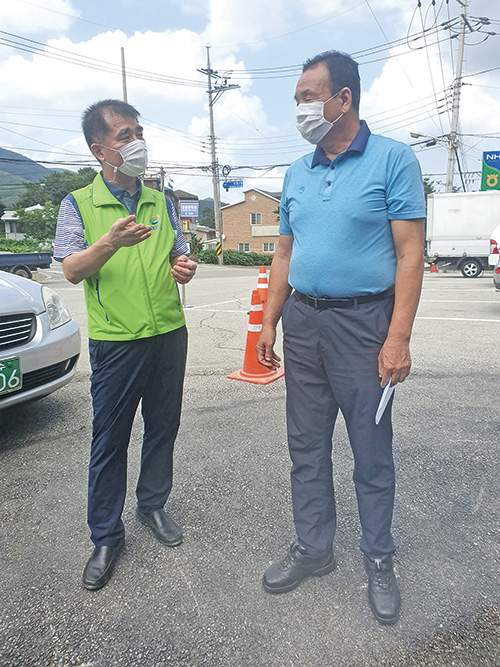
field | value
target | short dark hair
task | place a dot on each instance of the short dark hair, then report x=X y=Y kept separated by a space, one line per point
x=343 y=71
x=94 y=123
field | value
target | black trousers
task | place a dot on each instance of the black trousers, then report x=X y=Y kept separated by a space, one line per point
x=331 y=362
x=123 y=373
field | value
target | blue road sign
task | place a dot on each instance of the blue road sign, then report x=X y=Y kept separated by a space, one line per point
x=233 y=184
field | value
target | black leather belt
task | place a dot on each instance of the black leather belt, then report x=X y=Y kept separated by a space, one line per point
x=320 y=302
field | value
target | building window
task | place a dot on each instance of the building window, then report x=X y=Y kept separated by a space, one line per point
x=268 y=247
x=255 y=218
x=244 y=247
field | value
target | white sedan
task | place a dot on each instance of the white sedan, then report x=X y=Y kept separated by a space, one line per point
x=39 y=342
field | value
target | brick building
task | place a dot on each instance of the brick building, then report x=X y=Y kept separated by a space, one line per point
x=252 y=225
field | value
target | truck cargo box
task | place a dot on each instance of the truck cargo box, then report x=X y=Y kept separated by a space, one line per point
x=459 y=227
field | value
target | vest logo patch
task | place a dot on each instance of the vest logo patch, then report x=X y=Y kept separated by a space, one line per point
x=154 y=222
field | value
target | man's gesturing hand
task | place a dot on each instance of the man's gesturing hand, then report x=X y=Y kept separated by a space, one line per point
x=394 y=362
x=125 y=232
x=265 y=352
x=183 y=269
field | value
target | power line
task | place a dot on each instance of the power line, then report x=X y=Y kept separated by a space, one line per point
x=429 y=60
x=76 y=18
x=439 y=45
x=292 y=70
x=397 y=59
x=63 y=55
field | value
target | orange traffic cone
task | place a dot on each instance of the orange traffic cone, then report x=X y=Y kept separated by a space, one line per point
x=434 y=268
x=262 y=285
x=252 y=371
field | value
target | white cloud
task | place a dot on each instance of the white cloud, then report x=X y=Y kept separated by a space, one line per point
x=321 y=10
x=36 y=17
x=234 y=23
x=402 y=96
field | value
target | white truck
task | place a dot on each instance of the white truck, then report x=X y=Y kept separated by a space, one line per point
x=459 y=228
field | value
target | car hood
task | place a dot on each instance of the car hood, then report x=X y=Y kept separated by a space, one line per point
x=19 y=295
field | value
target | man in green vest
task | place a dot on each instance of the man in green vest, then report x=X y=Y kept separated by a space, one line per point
x=124 y=242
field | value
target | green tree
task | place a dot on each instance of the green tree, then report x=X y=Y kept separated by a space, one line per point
x=39 y=224
x=428 y=187
x=54 y=187
x=207 y=217
x=2 y=209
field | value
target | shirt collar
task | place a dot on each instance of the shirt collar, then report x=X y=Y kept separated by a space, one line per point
x=119 y=192
x=357 y=145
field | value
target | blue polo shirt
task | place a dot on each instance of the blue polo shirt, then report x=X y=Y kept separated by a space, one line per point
x=340 y=211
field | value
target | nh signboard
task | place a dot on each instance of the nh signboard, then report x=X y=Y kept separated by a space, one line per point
x=491 y=171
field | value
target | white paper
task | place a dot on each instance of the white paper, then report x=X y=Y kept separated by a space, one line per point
x=386 y=397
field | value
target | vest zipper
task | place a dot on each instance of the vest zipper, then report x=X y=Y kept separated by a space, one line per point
x=150 y=305
x=99 y=298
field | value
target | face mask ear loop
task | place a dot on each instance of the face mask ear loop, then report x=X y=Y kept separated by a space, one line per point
x=115 y=169
x=334 y=121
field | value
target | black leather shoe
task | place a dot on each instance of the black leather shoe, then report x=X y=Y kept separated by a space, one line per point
x=100 y=566
x=288 y=573
x=383 y=589
x=163 y=526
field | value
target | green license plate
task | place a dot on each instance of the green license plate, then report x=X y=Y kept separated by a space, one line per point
x=10 y=375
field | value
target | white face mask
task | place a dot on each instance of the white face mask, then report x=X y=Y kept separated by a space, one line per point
x=311 y=122
x=134 y=156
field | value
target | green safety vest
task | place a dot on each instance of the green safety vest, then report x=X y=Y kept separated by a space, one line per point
x=134 y=294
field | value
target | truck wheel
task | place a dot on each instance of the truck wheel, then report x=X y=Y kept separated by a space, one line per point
x=22 y=271
x=471 y=268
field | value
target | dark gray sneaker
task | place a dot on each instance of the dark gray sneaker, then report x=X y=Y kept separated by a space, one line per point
x=287 y=574
x=383 y=589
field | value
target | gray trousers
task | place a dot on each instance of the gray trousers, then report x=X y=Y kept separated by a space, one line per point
x=331 y=362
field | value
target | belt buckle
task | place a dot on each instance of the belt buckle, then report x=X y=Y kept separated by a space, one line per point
x=314 y=299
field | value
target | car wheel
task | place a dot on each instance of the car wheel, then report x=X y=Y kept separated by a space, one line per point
x=22 y=271
x=471 y=268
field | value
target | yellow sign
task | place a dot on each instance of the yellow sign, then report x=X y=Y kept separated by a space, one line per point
x=218 y=249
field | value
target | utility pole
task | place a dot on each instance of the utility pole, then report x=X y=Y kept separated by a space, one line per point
x=124 y=78
x=457 y=85
x=212 y=99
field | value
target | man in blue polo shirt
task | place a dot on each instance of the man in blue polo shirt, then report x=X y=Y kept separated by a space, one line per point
x=351 y=249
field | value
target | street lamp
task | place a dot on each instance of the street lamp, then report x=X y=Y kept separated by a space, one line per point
x=432 y=141
x=426 y=142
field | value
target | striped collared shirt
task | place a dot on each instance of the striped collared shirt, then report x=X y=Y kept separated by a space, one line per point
x=70 y=231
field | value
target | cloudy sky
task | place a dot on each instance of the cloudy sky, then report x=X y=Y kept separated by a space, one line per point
x=58 y=56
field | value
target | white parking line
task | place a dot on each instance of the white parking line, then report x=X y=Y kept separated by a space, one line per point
x=455 y=319
x=459 y=289
x=212 y=310
x=220 y=303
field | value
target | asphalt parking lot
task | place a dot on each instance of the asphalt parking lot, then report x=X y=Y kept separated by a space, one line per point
x=202 y=603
